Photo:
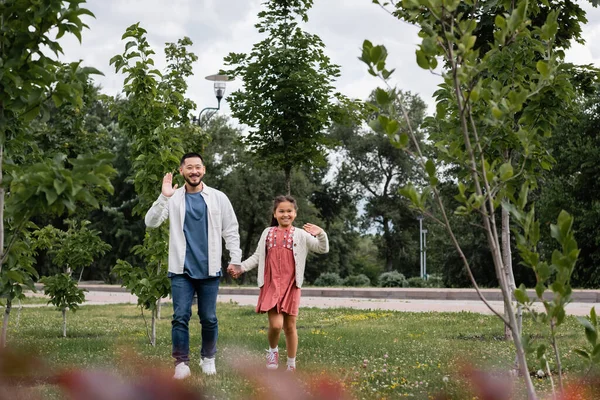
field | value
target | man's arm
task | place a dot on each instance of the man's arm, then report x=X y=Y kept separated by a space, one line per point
x=159 y=211
x=230 y=232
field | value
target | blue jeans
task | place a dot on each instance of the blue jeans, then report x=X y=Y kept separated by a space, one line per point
x=183 y=289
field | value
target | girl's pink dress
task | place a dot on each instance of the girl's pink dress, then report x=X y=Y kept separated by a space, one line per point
x=280 y=290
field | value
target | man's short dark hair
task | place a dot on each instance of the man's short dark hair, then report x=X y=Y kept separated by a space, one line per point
x=190 y=155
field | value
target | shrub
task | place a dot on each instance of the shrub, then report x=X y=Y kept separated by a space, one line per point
x=329 y=279
x=392 y=279
x=357 y=280
x=417 y=281
x=435 y=280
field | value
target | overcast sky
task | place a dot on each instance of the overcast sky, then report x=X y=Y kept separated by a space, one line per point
x=218 y=27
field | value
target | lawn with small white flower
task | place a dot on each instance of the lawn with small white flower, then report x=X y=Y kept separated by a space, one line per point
x=373 y=354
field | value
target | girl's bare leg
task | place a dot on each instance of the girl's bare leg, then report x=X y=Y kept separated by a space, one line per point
x=291 y=334
x=275 y=326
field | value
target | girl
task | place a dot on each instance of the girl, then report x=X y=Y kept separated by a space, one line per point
x=281 y=257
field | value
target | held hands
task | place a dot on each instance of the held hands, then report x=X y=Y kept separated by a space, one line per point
x=312 y=229
x=234 y=270
x=167 y=185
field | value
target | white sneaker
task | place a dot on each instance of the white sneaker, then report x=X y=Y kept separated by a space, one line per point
x=272 y=359
x=182 y=371
x=208 y=366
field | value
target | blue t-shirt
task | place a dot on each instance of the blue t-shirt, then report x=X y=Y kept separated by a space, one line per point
x=195 y=229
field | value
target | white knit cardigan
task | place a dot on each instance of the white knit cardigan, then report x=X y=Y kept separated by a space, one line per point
x=303 y=243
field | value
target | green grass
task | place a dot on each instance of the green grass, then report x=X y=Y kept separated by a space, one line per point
x=376 y=354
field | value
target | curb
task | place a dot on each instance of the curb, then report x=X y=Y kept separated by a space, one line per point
x=579 y=295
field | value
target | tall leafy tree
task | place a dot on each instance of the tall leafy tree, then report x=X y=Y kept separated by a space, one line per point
x=485 y=106
x=30 y=74
x=155 y=117
x=288 y=97
x=76 y=130
x=573 y=183
x=377 y=169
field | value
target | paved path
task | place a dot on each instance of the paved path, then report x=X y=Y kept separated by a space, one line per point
x=95 y=297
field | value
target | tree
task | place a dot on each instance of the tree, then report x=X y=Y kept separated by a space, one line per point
x=507 y=99
x=377 y=170
x=336 y=205
x=71 y=249
x=31 y=74
x=64 y=295
x=77 y=247
x=18 y=273
x=288 y=98
x=155 y=117
x=572 y=184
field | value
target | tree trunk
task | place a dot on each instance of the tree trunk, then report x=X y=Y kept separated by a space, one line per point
x=507 y=257
x=5 y=323
x=288 y=180
x=507 y=262
x=19 y=314
x=387 y=236
x=158 y=302
x=507 y=297
x=153 y=336
x=64 y=324
x=1 y=206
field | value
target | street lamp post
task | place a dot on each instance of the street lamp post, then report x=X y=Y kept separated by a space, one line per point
x=422 y=249
x=425 y=254
x=220 y=82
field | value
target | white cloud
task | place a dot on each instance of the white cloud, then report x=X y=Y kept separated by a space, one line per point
x=218 y=27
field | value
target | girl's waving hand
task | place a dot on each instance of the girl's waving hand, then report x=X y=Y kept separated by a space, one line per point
x=312 y=229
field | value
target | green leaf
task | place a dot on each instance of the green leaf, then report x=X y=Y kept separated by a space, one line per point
x=582 y=353
x=376 y=53
x=15 y=276
x=590 y=330
x=28 y=116
x=404 y=139
x=521 y=294
x=410 y=192
x=392 y=127
x=541 y=350
x=497 y=113
x=430 y=168
x=382 y=97
x=523 y=195
x=506 y=171
x=542 y=67
x=422 y=59
x=540 y=289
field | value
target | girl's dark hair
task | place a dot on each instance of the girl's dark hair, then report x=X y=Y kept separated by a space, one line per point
x=278 y=200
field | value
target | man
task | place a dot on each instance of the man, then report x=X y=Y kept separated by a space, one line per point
x=199 y=216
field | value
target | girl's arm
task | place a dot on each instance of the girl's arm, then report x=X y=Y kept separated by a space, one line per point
x=252 y=261
x=316 y=241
